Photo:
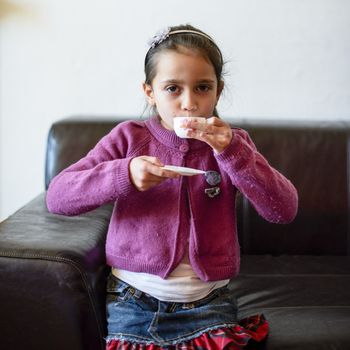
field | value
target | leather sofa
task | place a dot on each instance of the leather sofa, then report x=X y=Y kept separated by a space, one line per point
x=52 y=268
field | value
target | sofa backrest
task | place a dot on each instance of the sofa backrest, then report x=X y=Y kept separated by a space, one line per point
x=315 y=156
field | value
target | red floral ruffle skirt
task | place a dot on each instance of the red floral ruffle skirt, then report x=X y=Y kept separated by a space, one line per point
x=254 y=328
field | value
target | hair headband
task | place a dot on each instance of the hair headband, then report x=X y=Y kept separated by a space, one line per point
x=165 y=33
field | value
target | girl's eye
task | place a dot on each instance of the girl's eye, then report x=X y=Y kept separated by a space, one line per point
x=204 y=88
x=172 y=89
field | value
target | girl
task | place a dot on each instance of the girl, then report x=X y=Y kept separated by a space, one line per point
x=172 y=241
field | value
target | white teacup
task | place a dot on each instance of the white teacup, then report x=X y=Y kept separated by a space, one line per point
x=182 y=131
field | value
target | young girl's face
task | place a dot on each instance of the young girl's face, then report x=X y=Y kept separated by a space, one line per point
x=185 y=84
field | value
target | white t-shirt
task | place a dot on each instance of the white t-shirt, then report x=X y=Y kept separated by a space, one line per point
x=182 y=285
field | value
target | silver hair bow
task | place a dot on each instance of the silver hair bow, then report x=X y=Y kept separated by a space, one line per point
x=159 y=37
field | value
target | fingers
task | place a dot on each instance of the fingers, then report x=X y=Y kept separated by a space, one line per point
x=146 y=172
x=152 y=167
x=215 y=132
x=211 y=126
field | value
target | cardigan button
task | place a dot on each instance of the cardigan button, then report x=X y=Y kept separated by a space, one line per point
x=184 y=147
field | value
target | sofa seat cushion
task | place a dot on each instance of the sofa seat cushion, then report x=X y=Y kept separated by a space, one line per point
x=305 y=299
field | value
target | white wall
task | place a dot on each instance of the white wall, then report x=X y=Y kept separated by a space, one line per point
x=286 y=59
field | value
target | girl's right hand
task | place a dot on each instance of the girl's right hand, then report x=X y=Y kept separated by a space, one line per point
x=145 y=172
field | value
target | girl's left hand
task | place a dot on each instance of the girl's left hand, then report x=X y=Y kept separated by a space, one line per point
x=215 y=132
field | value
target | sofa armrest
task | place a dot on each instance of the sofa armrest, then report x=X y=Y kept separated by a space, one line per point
x=53 y=272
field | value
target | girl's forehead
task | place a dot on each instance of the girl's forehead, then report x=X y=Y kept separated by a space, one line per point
x=173 y=63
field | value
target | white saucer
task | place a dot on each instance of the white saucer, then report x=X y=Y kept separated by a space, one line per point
x=183 y=170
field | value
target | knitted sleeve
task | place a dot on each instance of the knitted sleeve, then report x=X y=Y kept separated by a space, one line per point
x=99 y=178
x=271 y=194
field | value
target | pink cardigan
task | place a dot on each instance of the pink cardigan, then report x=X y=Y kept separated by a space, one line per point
x=149 y=231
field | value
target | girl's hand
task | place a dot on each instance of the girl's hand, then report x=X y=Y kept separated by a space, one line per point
x=145 y=172
x=215 y=132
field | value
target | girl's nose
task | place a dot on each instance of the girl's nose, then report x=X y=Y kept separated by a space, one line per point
x=189 y=103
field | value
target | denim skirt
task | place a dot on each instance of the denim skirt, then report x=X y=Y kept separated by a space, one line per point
x=137 y=320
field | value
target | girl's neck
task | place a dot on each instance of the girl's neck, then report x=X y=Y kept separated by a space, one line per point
x=164 y=124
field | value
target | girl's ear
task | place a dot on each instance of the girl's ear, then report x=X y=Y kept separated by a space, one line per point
x=147 y=89
x=220 y=88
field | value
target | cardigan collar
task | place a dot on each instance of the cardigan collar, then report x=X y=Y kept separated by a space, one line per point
x=169 y=137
